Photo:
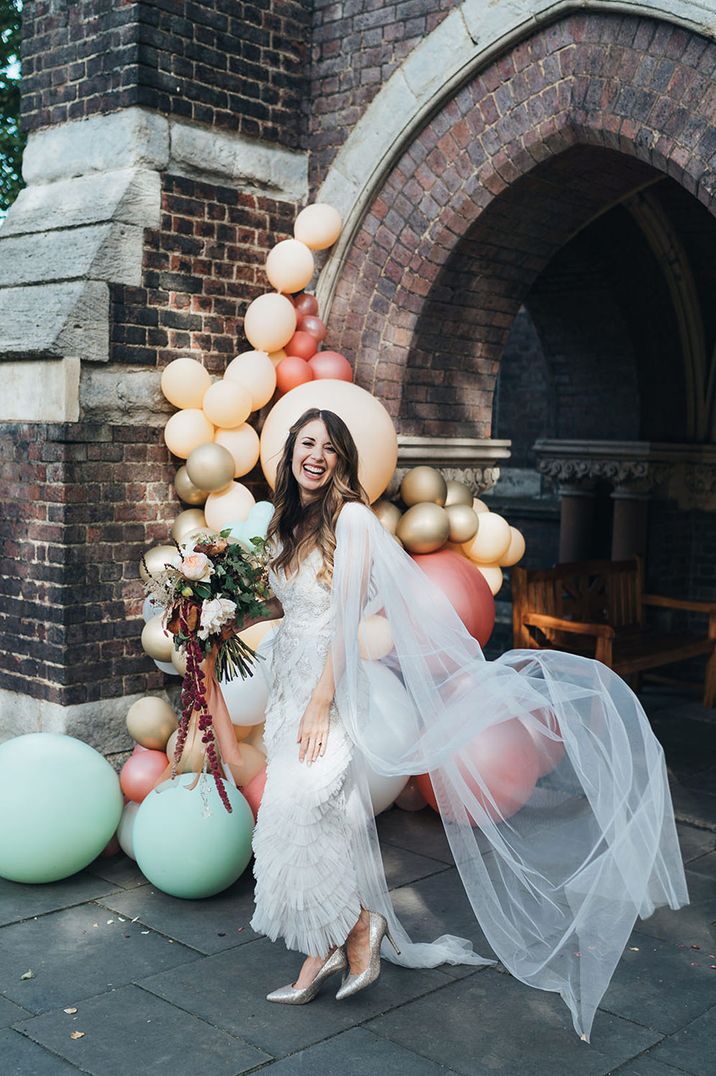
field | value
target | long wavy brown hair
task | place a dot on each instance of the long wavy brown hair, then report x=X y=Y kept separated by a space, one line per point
x=298 y=527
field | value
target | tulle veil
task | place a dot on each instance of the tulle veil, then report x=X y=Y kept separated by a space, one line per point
x=557 y=886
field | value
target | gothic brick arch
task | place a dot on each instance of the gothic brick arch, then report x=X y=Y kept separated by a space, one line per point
x=572 y=121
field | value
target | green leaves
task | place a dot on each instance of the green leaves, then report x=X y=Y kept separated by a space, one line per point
x=12 y=140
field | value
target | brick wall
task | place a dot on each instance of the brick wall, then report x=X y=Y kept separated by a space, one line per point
x=241 y=67
x=523 y=405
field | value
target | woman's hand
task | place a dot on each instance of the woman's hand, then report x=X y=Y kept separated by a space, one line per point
x=313 y=729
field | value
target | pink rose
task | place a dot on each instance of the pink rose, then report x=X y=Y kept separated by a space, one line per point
x=197 y=567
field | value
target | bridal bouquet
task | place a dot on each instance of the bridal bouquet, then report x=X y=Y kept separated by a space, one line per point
x=207 y=591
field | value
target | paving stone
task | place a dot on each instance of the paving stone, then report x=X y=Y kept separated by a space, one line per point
x=356 y=1052
x=120 y=870
x=229 y=989
x=647 y=1065
x=209 y=926
x=695 y=842
x=692 y=1048
x=71 y=958
x=418 y=831
x=10 y=1013
x=661 y=985
x=22 y=1057
x=403 y=867
x=704 y=866
x=692 y=925
x=131 y=1031
x=25 y=901
x=492 y=1023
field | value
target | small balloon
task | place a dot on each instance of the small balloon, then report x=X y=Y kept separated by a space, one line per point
x=290 y=266
x=211 y=467
x=233 y=502
x=150 y=722
x=292 y=372
x=227 y=403
x=463 y=522
x=255 y=371
x=302 y=344
x=270 y=322
x=157 y=558
x=375 y=638
x=243 y=444
x=140 y=773
x=254 y=790
x=189 y=520
x=458 y=493
x=492 y=575
x=179 y=661
x=424 y=528
x=411 y=798
x=331 y=364
x=151 y=607
x=186 y=430
x=278 y=356
x=491 y=541
x=515 y=550
x=194 y=752
x=309 y=323
x=318 y=226
x=388 y=514
x=184 y=382
x=157 y=642
x=125 y=831
x=479 y=506
x=423 y=484
x=306 y=304
x=186 y=490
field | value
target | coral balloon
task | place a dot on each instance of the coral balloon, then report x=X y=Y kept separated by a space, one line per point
x=491 y=541
x=306 y=304
x=331 y=364
x=318 y=226
x=255 y=371
x=302 y=344
x=184 y=382
x=188 y=520
x=550 y=752
x=492 y=575
x=368 y=421
x=156 y=560
x=388 y=514
x=458 y=493
x=463 y=522
x=465 y=588
x=292 y=372
x=234 y=502
x=254 y=790
x=186 y=430
x=270 y=322
x=150 y=722
x=140 y=773
x=309 y=323
x=211 y=467
x=424 y=528
x=515 y=550
x=186 y=490
x=423 y=484
x=227 y=403
x=244 y=446
x=290 y=266
x=375 y=638
x=157 y=642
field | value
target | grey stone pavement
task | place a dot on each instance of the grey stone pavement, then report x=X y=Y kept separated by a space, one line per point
x=164 y=986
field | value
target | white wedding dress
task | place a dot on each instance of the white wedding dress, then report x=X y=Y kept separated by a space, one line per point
x=557 y=885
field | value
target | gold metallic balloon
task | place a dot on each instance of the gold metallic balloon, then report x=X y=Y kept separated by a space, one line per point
x=192 y=757
x=156 y=559
x=424 y=528
x=150 y=722
x=388 y=514
x=157 y=642
x=423 y=484
x=186 y=490
x=179 y=661
x=463 y=522
x=186 y=522
x=210 y=467
x=458 y=493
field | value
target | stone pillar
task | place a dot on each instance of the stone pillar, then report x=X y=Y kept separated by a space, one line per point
x=576 y=523
x=629 y=520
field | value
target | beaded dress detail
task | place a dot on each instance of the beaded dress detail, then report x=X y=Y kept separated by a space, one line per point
x=306 y=887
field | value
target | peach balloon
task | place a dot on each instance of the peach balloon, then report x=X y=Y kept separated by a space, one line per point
x=306 y=304
x=257 y=632
x=549 y=752
x=278 y=356
x=256 y=373
x=252 y=763
x=479 y=506
x=227 y=403
x=184 y=382
x=292 y=372
x=243 y=444
x=254 y=790
x=156 y=640
x=228 y=505
x=290 y=266
x=318 y=226
x=388 y=514
x=491 y=541
x=270 y=322
x=375 y=639
x=186 y=430
x=140 y=773
x=331 y=364
x=515 y=550
x=368 y=421
x=492 y=575
x=302 y=344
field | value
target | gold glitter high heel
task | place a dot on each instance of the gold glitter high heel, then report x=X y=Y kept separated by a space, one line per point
x=377 y=930
x=292 y=995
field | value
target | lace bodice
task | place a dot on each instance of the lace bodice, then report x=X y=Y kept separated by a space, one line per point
x=306 y=602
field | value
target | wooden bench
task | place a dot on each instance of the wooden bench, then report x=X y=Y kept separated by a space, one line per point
x=597 y=608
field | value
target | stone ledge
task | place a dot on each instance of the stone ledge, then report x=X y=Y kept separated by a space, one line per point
x=101 y=724
x=56 y=320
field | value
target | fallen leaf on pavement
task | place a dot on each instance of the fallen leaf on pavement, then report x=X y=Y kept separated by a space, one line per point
x=77 y=1034
x=70 y=1011
x=28 y=975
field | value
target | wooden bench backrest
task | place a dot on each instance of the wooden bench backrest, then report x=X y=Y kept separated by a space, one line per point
x=598 y=591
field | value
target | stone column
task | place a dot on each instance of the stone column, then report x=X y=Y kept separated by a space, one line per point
x=576 y=524
x=629 y=520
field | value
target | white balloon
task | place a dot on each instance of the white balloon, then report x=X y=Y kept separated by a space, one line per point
x=384 y=790
x=151 y=608
x=166 y=667
x=125 y=830
x=391 y=716
x=246 y=699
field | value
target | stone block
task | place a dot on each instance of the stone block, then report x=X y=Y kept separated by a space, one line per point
x=110 y=252
x=54 y=320
x=43 y=390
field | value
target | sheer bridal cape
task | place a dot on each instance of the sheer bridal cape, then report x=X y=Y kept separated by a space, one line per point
x=556 y=887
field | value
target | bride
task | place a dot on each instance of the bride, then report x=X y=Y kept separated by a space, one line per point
x=556 y=879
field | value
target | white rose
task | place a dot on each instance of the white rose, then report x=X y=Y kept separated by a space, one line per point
x=215 y=612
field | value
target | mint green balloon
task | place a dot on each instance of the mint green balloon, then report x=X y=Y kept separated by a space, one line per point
x=60 y=803
x=186 y=842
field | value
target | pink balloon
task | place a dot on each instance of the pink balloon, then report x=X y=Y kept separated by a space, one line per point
x=312 y=325
x=137 y=749
x=111 y=848
x=549 y=752
x=331 y=364
x=292 y=371
x=302 y=344
x=306 y=303
x=254 y=790
x=465 y=587
x=140 y=772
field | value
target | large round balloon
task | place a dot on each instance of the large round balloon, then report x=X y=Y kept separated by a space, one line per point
x=466 y=589
x=60 y=803
x=318 y=225
x=270 y=322
x=383 y=790
x=243 y=444
x=246 y=698
x=185 y=841
x=289 y=266
x=368 y=421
